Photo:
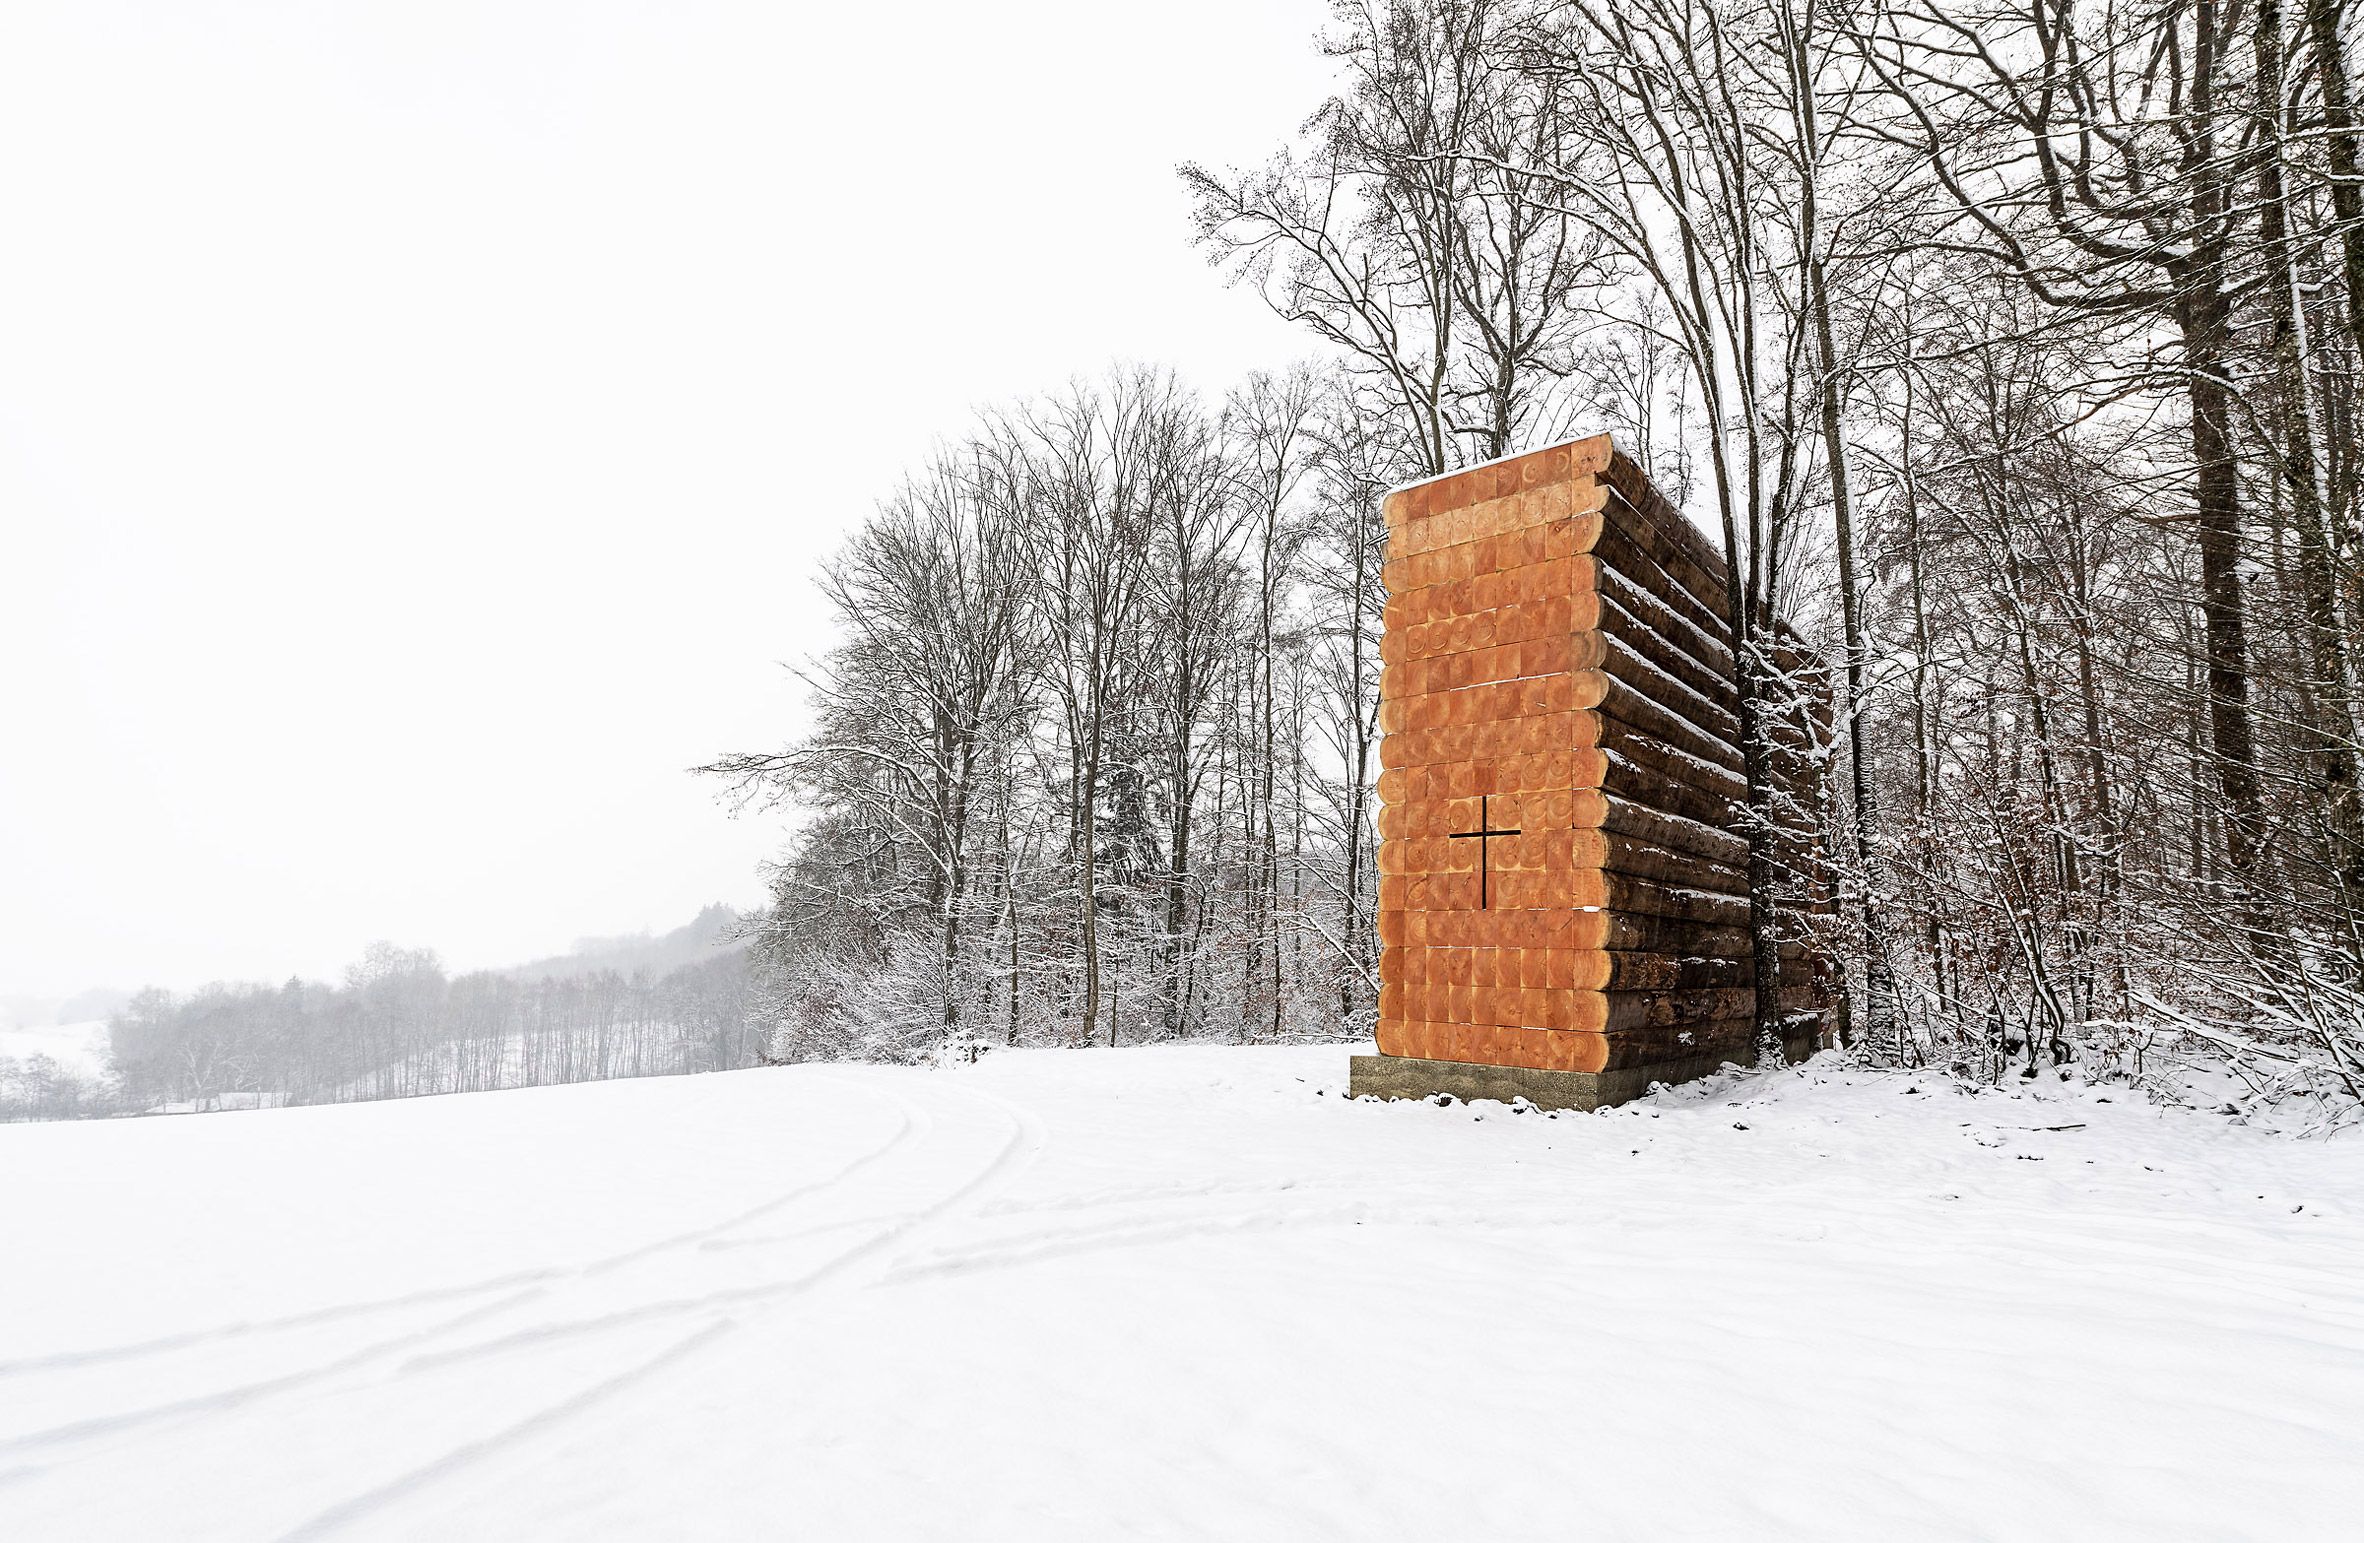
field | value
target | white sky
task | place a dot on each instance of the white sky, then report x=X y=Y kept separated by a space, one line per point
x=420 y=421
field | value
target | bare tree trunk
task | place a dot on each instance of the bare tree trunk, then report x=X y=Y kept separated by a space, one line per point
x=2223 y=609
x=2333 y=732
x=1878 y=990
x=955 y=891
x=1924 y=727
x=1088 y=885
x=2324 y=27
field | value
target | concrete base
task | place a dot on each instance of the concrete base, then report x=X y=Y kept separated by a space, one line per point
x=1400 y=1076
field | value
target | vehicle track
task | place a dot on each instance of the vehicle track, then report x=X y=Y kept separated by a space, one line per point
x=913 y=1124
x=223 y=1399
x=467 y=1454
x=1033 y=1246
x=908 y=1129
x=1026 y=1140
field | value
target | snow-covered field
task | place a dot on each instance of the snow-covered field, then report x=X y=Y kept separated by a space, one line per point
x=79 y=1048
x=1180 y=1293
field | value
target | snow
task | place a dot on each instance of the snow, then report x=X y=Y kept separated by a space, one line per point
x=78 y=1048
x=1187 y=1292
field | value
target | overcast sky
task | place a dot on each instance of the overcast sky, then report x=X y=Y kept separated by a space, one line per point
x=420 y=421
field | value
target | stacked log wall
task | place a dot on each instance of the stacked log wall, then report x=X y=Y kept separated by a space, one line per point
x=1558 y=666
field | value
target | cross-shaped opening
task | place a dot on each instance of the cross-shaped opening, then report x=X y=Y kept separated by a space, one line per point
x=1485 y=833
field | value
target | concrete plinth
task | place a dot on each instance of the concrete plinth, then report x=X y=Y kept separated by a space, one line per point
x=1403 y=1076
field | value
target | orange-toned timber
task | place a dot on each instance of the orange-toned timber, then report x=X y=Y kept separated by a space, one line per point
x=1563 y=909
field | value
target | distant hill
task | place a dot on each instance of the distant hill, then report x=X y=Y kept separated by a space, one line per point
x=20 y=1012
x=80 y=1049
x=710 y=935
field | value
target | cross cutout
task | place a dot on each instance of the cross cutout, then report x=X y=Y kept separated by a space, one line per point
x=1485 y=832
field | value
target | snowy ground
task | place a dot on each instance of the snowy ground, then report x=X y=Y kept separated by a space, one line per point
x=1180 y=1293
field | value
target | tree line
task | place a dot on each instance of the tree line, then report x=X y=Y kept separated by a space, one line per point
x=1093 y=760
x=2010 y=352
x=398 y=1026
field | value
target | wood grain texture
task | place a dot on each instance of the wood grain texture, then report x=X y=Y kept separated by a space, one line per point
x=1557 y=674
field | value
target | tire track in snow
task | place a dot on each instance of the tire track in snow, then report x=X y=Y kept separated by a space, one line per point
x=1044 y=1243
x=67 y=1360
x=1037 y=1248
x=1136 y=1194
x=314 y=1317
x=914 y=1123
x=224 y=1399
x=466 y=1455
x=1026 y=1140
x=1028 y=1137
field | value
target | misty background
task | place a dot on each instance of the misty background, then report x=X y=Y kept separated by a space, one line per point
x=428 y=427
x=420 y=424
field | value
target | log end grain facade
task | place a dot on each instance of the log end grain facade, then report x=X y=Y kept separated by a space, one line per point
x=1563 y=909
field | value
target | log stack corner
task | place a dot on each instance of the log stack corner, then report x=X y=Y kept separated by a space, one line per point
x=1557 y=667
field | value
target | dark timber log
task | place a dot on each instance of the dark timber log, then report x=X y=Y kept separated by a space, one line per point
x=1644 y=860
x=1674 y=578
x=1598 y=730
x=1633 y=486
x=1639 y=656
x=1630 y=896
x=1628 y=818
x=1623 y=778
x=1640 y=933
x=1615 y=1012
x=1607 y=693
x=1617 y=551
x=1604 y=970
x=1711 y=654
